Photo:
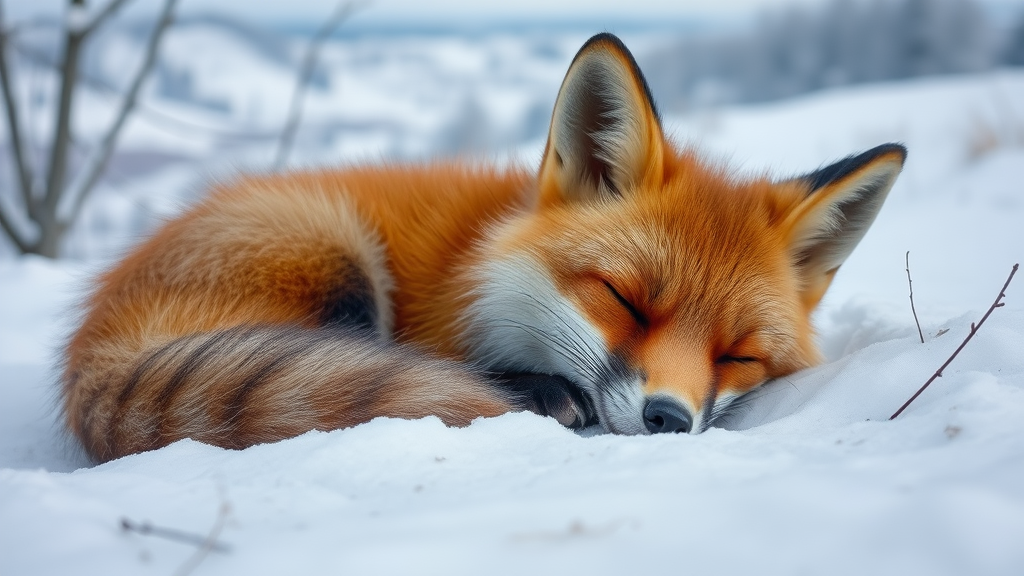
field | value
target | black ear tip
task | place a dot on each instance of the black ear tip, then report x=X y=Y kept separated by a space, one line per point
x=604 y=38
x=894 y=148
x=846 y=166
x=608 y=41
x=612 y=42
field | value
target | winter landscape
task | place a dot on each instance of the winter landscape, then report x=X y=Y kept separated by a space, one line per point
x=810 y=478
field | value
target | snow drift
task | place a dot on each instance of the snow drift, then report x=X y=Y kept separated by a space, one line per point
x=811 y=478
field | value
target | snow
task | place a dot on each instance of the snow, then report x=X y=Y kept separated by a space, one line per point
x=810 y=478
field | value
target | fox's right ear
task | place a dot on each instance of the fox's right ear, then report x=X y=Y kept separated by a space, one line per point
x=605 y=135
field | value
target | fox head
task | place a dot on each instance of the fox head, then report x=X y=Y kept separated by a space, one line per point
x=660 y=285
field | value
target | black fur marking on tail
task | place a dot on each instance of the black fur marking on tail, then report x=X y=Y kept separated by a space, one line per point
x=235 y=408
x=351 y=302
x=141 y=371
x=192 y=364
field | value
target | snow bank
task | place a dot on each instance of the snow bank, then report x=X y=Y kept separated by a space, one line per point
x=821 y=483
x=810 y=478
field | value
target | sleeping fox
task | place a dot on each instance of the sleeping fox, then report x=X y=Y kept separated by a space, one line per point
x=628 y=284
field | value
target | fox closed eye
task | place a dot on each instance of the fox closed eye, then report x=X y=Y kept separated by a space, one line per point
x=729 y=359
x=638 y=316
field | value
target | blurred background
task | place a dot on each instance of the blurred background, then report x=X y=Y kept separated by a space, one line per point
x=405 y=80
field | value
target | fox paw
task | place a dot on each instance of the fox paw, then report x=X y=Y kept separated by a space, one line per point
x=553 y=396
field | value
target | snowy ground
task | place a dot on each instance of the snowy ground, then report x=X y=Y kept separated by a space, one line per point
x=812 y=479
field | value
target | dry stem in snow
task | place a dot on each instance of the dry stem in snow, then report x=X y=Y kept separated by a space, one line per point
x=974 y=329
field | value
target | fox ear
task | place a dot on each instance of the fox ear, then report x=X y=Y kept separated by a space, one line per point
x=605 y=135
x=841 y=204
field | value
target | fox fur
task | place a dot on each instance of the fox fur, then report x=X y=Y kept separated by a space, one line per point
x=628 y=284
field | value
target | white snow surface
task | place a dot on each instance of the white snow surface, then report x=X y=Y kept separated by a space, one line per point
x=811 y=478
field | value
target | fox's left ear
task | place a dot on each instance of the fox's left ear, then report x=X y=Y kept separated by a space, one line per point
x=842 y=202
x=605 y=135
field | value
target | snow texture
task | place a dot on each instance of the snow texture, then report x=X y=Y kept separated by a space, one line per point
x=811 y=478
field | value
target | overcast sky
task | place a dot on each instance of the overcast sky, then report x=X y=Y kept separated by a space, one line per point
x=450 y=11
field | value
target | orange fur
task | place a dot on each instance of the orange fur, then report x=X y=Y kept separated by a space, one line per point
x=320 y=299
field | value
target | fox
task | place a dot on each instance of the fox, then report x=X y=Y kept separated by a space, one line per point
x=629 y=284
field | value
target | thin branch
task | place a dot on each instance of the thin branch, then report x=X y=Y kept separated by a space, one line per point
x=156 y=117
x=912 y=309
x=14 y=126
x=974 y=330
x=75 y=197
x=180 y=536
x=36 y=22
x=342 y=13
x=107 y=11
x=62 y=128
x=208 y=545
x=12 y=232
x=204 y=544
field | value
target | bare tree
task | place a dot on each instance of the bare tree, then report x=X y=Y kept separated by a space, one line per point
x=50 y=205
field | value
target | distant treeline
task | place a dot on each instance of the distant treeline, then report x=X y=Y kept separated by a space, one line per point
x=801 y=49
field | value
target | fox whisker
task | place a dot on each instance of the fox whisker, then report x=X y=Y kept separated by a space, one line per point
x=584 y=365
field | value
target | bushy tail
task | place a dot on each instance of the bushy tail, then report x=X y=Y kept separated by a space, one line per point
x=248 y=385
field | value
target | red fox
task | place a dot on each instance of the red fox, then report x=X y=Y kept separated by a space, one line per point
x=629 y=284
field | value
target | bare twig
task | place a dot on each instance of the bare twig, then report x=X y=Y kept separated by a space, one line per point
x=73 y=39
x=147 y=529
x=204 y=544
x=343 y=12
x=107 y=11
x=61 y=201
x=974 y=330
x=12 y=232
x=208 y=545
x=912 y=309
x=98 y=162
x=14 y=129
x=21 y=166
x=156 y=117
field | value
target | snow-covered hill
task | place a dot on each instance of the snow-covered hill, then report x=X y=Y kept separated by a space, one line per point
x=811 y=479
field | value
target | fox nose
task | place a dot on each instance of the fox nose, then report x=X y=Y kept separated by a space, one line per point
x=666 y=415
